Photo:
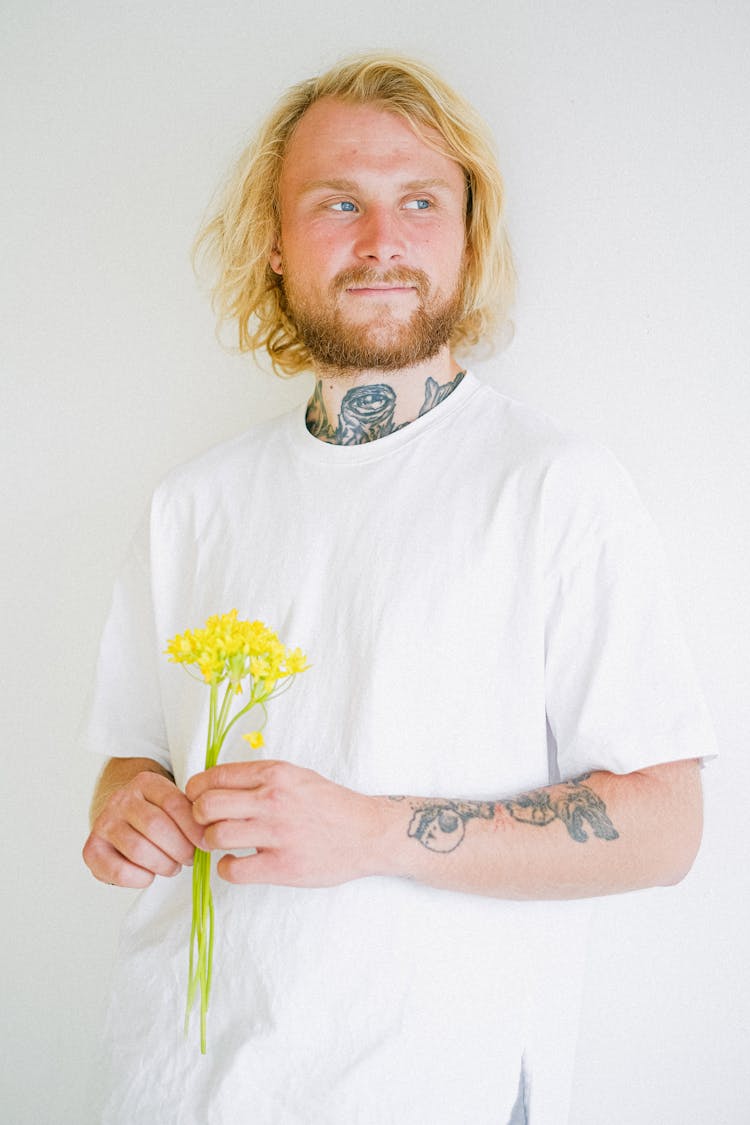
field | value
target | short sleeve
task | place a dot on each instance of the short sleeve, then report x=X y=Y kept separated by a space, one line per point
x=125 y=717
x=621 y=692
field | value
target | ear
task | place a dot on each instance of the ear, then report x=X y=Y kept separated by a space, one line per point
x=274 y=258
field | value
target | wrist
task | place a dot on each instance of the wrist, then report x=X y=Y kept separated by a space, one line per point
x=387 y=849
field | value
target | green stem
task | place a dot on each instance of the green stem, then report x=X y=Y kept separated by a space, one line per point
x=257 y=700
x=193 y=943
x=202 y=930
x=211 y=735
x=221 y=728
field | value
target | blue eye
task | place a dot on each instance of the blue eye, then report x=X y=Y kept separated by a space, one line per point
x=344 y=205
x=419 y=204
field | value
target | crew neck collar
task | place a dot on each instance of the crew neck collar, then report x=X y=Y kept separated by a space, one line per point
x=323 y=452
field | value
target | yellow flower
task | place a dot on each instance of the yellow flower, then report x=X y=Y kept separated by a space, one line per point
x=226 y=648
x=226 y=651
x=296 y=661
x=260 y=669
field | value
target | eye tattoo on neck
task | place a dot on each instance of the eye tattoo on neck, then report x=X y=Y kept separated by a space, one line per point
x=367 y=412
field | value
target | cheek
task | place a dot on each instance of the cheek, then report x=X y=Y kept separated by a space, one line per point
x=314 y=254
x=459 y=248
x=446 y=249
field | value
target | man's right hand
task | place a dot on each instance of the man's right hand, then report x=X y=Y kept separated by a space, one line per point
x=142 y=825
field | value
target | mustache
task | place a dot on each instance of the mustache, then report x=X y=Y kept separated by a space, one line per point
x=366 y=275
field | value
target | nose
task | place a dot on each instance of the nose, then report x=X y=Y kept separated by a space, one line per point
x=379 y=236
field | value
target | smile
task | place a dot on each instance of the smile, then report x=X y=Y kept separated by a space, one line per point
x=380 y=289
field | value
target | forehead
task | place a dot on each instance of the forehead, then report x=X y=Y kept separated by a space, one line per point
x=334 y=136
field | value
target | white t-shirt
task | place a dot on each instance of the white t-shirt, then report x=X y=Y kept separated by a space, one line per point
x=484 y=604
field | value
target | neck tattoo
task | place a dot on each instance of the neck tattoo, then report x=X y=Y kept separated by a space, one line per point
x=367 y=412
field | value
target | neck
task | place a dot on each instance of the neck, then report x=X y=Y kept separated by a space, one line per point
x=351 y=408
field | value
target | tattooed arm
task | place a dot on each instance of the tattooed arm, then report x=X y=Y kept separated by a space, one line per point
x=597 y=834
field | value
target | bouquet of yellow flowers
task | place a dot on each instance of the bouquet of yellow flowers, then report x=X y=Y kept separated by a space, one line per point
x=226 y=653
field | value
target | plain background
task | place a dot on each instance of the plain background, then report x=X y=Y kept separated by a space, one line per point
x=623 y=134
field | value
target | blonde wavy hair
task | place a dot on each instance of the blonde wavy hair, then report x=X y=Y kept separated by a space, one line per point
x=236 y=241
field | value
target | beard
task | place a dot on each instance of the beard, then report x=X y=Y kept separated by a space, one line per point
x=385 y=342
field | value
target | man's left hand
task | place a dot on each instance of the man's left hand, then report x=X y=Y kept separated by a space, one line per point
x=307 y=830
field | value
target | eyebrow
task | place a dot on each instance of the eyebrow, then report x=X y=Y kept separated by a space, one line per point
x=351 y=186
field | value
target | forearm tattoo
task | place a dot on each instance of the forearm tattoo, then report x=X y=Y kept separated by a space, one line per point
x=440 y=826
x=572 y=802
x=367 y=412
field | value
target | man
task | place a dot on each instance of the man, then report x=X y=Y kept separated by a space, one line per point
x=499 y=705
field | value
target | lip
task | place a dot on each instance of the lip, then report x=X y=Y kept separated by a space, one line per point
x=380 y=289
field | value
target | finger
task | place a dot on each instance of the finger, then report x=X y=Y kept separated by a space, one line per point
x=158 y=827
x=239 y=834
x=106 y=864
x=262 y=867
x=230 y=775
x=227 y=804
x=165 y=795
x=142 y=852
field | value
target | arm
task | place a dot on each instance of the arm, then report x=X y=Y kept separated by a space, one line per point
x=599 y=834
x=141 y=824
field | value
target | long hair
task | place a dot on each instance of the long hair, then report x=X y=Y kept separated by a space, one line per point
x=237 y=240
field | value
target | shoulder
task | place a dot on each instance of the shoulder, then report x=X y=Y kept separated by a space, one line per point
x=579 y=489
x=568 y=461
x=226 y=467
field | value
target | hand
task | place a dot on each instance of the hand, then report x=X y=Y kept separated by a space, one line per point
x=308 y=831
x=145 y=828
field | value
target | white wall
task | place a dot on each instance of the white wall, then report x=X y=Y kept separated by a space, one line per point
x=623 y=134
